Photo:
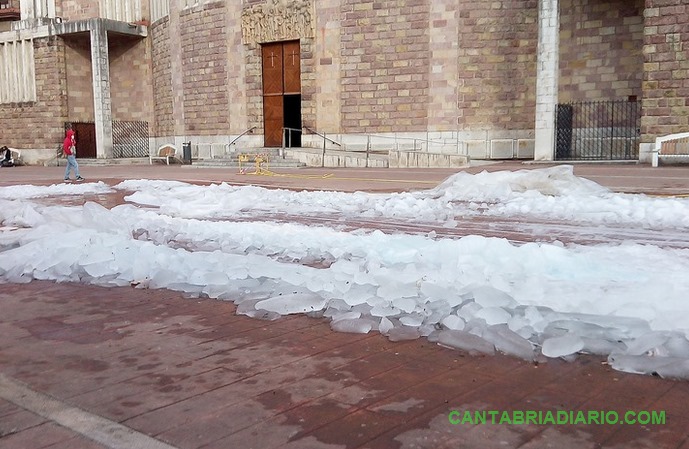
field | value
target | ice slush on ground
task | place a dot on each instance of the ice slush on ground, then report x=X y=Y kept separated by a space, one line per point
x=623 y=300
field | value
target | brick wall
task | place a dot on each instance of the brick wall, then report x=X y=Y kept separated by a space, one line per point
x=130 y=80
x=600 y=49
x=384 y=71
x=163 y=123
x=236 y=70
x=666 y=69
x=254 y=88
x=327 y=68
x=309 y=83
x=39 y=124
x=76 y=9
x=497 y=64
x=79 y=80
x=204 y=52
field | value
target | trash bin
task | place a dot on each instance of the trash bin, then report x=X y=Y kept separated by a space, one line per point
x=186 y=152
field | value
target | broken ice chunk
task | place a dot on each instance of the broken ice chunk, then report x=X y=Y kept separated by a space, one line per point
x=453 y=322
x=355 y=326
x=509 y=342
x=562 y=346
x=292 y=303
x=494 y=315
x=666 y=367
x=385 y=326
x=488 y=296
x=403 y=333
x=465 y=341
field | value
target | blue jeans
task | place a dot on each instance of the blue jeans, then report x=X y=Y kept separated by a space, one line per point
x=72 y=162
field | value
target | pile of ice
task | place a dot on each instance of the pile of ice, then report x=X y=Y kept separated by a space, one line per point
x=481 y=295
x=553 y=193
x=28 y=191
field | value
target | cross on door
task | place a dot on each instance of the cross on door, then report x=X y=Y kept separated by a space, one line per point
x=293 y=54
x=272 y=59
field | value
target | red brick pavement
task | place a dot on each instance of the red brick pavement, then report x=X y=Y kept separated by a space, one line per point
x=192 y=374
x=631 y=178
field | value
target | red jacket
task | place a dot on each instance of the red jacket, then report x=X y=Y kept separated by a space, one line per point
x=68 y=142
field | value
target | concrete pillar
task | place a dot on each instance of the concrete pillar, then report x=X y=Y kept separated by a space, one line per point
x=26 y=9
x=236 y=70
x=177 y=77
x=547 y=74
x=328 y=66
x=102 y=106
x=443 y=28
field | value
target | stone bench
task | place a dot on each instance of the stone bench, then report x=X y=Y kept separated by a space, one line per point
x=672 y=146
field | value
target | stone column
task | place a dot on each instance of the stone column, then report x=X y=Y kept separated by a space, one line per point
x=177 y=78
x=26 y=9
x=547 y=74
x=328 y=64
x=102 y=106
x=443 y=28
x=236 y=70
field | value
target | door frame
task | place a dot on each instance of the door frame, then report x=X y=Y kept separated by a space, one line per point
x=281 y=76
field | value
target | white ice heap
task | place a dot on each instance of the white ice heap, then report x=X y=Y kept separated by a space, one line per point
x=625 y=301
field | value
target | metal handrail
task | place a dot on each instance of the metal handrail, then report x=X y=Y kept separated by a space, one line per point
x=322 y=135
x=287 y=142
x=237 y=138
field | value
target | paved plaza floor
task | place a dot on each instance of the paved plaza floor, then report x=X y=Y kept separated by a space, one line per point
x=90 y=367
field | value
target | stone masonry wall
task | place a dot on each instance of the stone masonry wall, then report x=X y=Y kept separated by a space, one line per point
x=309 y=83
x=76 y=9
x=384 y=71
x=130 y=80
x=204 y=52
x=666 y=69
x=600 y=49
x=163 y=122
x=497 y=64
x=236 y=70
x=327 y=69
x=79 y=80
x=254 y=89
x=39 y=124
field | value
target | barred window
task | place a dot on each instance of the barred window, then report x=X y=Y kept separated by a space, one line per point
x=17 y=72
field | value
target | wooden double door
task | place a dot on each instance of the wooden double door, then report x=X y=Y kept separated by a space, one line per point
x=282 y=93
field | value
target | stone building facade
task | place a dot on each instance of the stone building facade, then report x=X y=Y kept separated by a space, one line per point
x=450 y=76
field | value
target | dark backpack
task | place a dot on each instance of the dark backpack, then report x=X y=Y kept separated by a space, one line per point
x=7 y=160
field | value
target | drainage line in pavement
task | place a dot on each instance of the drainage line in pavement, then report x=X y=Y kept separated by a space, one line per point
x=108 y=433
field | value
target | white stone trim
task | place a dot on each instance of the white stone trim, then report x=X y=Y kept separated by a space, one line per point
x=159 y=9
x=547 y=75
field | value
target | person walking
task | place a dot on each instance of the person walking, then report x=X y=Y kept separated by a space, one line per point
x=69 y=148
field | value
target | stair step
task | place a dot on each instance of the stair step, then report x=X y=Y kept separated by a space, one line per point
x=234 y=162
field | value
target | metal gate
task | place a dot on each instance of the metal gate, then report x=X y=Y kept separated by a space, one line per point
x=597 y=130
x=129 y=139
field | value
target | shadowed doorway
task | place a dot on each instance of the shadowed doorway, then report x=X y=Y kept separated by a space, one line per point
x=85 y=133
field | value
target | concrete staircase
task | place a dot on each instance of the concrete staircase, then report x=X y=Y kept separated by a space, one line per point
x=274 y=156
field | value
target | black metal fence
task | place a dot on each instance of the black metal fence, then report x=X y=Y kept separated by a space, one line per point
x=597 y=130
x=129 y=139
